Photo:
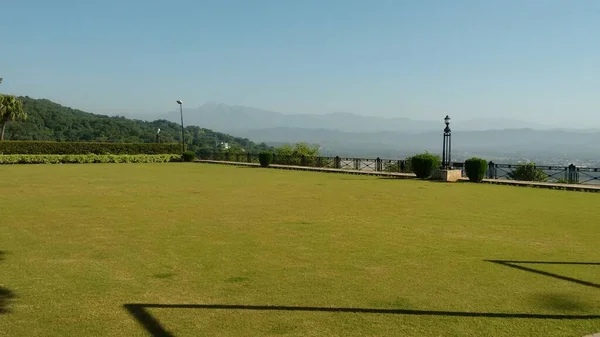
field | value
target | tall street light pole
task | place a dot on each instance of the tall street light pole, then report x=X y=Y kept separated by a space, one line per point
x=182 y=136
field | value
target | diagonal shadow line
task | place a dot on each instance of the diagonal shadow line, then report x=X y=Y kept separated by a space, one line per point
x=513 y=264
x=546 y=262
x=153 y=326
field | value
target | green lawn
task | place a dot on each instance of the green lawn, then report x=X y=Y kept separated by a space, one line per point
x=82 y=241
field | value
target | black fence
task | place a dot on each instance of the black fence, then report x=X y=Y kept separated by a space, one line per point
x=558 y=174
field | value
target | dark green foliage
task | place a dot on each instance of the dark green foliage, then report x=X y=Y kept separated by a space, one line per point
x=265 y=158
x=47 y=147
x=188 y=156
x=528 y=172
x=476 y=169
x=424 y=164
x=11 y=110
x=53 y=122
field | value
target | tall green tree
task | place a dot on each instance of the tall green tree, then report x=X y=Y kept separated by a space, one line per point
x=11 y=109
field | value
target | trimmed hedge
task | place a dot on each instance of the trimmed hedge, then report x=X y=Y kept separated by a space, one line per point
x=476 y=169
x=424 y=164
x=188 y=156
x=47 y=147
x=86 y=158
x=265 y=159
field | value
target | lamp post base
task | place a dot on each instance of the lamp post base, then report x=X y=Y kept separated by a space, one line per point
x=450 y=175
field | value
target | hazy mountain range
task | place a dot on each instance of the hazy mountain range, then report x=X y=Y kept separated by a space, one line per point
x=230 y=118
x=349 y=134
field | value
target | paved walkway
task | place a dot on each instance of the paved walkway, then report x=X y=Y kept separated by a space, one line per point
x=569 y=187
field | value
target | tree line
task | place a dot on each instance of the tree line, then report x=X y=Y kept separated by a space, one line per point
x=25 y=118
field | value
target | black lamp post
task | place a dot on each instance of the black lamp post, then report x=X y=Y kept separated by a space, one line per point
x=158 y=136
x=182 y=136
x=447 y=150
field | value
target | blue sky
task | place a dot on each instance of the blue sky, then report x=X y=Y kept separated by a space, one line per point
x=523 y=59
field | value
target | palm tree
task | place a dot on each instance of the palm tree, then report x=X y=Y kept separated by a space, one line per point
x=11 y=109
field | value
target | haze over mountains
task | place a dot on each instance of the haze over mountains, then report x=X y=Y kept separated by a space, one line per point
x=230 y=118
x=349 y=134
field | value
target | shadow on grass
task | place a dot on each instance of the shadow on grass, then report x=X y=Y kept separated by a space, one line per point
x=153 y=326
x=555 y=301
x=562 y=302
x=516 y=265
x=5 y=294
x=5 y=297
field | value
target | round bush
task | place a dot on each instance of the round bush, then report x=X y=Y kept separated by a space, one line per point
x=265 y=158
x=424 y=164
x=188 y=156
x=476 y=169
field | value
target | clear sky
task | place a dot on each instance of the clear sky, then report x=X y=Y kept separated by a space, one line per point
x=523 y=59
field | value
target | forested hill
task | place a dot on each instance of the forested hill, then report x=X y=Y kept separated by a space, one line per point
x=51 y=121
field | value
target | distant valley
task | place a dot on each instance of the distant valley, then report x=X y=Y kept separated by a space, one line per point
x=348 y=134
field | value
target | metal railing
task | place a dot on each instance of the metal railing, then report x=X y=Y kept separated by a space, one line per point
x=558 y=174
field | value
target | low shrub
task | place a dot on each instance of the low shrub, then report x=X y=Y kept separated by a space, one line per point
x=424 y=164
x=188 y=156
x=476 y=169
x=265 y=159
x=47 y=147
x=528 y=172
x=85 y=158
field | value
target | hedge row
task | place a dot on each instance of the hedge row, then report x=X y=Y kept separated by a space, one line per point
x=86 y=158
x=46 y=147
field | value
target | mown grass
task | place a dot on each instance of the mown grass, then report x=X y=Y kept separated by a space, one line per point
x=81 y=241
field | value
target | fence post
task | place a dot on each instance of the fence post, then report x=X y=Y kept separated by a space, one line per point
x=491 y=170
x=356 y=164
x=249 y=158
x=378 y=164
x=338 y=162
x=572 y=174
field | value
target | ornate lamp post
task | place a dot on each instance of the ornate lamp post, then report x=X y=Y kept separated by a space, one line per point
x=447 y=150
